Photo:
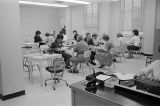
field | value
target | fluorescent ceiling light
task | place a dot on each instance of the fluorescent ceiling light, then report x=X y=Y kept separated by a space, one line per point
x=42 y=4
x=75 y=1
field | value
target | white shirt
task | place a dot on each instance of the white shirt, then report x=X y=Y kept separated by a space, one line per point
x=155 y=67
x=49 y=40
x=119 y=41
x=134 y=40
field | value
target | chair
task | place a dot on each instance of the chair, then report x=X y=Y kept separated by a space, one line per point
x=138 y=51
x=56 y=71
x=34 y=50
x=149 y=60
x=87 y=55
x=119 y=52
x=44 y=49
x=105 y=58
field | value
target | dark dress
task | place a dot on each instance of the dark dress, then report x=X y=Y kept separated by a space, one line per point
x=54 y=46
x=38 y=39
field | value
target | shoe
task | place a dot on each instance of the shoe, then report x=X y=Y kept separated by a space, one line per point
x=114 y=60
x=129 y=57
x=70 y=71
x=75 y=70
x=68 y=67
x=93 y=63
x=101 y=66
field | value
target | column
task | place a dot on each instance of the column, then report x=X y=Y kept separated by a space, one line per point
x=11 y=70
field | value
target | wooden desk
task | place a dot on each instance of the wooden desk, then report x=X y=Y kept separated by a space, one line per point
x=106 y=97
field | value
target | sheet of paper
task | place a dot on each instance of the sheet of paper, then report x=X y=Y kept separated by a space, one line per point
x=102 y=77
x=124 y=76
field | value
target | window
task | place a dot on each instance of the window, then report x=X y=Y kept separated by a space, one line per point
x=92 y=18
x=132 y=12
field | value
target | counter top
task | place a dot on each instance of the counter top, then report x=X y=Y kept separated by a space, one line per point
x=115 y=96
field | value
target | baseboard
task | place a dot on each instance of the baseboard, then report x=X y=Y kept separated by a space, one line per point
x=13 y=95
x=145 y=54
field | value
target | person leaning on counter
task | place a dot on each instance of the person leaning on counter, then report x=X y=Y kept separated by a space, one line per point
x=152 y=71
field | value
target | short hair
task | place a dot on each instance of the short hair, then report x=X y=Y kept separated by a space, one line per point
x=60 y=32
x=75 y=36
x=79 y=38
x=119 y=35
x=87 y=33
x=135 y=32
x=38 y=32
x=59 y=36
x=47 y=34
x=94 y=35
x=105 y=37
x=75 y=31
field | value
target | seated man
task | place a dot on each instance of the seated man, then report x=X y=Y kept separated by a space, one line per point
x=58 y=44
x=152 y=71
x=79 y=48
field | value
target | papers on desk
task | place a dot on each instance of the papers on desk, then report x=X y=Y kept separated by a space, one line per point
x=102 y=77
x=124 y=76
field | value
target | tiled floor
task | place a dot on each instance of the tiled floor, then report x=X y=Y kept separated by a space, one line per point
x=46 y=96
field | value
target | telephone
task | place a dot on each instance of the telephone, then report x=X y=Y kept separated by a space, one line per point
x=91 y=85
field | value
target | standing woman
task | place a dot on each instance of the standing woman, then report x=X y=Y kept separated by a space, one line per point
x=37 y=38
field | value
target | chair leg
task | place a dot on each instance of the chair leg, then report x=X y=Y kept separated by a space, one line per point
x=82 y=69
x=89 y=67
x=38 y=67
x=124 y=56
x=113 y=65
x=64 y=81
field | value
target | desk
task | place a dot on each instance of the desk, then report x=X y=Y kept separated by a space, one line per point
x=106 y=97
x=40 y=58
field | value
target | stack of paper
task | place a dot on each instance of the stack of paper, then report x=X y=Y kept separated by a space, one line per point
x=124 y=76
x=102 y=77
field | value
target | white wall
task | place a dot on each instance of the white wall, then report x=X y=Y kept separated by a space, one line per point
x=34 y=18
x=68 y=22
x=10 y=53
x=77 y=19
x=149 y=24
x=1 y=87
x=158 y=15
x=104 y=17
x=156 y=48
x=114 y=20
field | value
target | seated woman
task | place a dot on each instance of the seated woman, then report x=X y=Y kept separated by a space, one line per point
x=75 y=35
x=152 y=71
x=38 y=39
x=79 y=48
x=92 y=41
x=133 y=43
x=58 y=44
x=104 y=56
x=119 y=39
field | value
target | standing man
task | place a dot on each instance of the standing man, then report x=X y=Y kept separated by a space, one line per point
x=64 y=30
